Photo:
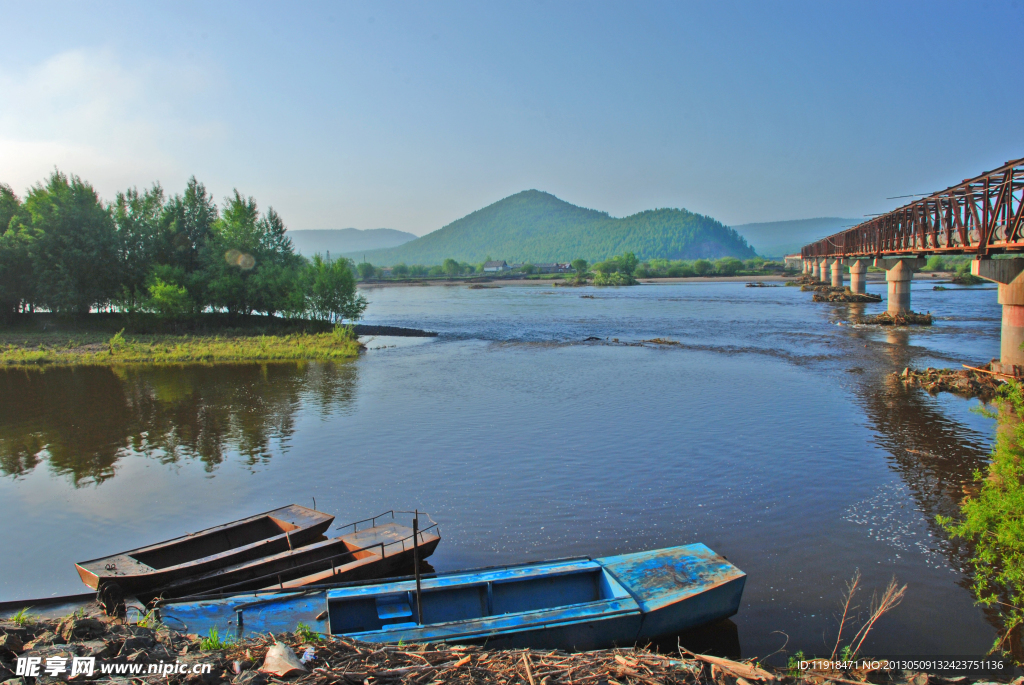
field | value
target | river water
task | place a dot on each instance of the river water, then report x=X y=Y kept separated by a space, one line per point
x=772 y=432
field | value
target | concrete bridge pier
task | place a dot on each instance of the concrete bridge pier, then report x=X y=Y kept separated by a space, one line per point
x=898 y=274
x=858 y=269
x=822 y=272
x=1007 y=273
x=837 y=273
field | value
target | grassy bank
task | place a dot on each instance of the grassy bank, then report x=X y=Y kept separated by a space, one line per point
x=992 y=521
x=89 y=341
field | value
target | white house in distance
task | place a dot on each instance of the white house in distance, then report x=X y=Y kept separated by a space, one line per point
x=495 y=266
x=793 y=261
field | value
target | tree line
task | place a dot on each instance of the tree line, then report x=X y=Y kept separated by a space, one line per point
x=64 y=250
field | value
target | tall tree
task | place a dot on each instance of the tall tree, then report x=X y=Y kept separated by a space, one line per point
x=331 y=290
x=189 y=220
x=73 y=248
x=137 y=222
x=15 y=266
x=250 y=263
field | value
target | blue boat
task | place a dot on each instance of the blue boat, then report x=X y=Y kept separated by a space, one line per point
x=578 y=603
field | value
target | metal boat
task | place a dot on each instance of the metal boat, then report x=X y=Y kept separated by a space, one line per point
x=577 y=603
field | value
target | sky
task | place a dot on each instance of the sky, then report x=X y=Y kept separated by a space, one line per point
x=410 y=115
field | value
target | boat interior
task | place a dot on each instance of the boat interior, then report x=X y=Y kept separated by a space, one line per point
x=471 y=597
x=214 y=542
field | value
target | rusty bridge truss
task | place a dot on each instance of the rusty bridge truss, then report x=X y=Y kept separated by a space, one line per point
x=981 y=216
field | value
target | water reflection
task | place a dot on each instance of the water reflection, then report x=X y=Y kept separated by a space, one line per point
x=82 y=421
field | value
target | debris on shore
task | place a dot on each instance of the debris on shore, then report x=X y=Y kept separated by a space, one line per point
x=821 y=288
x=305 y=657
x=761 y=284
x=963 y=382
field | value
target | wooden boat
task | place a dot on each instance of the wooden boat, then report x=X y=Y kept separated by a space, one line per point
x=375 y=552
x=270 y=533
x=568 y=604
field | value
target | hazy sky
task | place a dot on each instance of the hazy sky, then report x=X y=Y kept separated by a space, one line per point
x=410 y=115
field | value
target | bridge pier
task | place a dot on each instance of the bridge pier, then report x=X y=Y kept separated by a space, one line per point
x=1007 y=273
x=822 y=272
x=837 y=273
x=898 y=274
x=858 y=269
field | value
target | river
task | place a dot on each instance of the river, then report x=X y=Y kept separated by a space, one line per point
x=772 y=432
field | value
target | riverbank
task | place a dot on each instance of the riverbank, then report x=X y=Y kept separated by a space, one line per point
x=94 y=349
x=111 y=339
x=308 y=658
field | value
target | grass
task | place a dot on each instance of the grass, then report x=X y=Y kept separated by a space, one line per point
x=95 y=348
x=22 y=617
x=305 y=633
x=992 y=521
x=213 y=642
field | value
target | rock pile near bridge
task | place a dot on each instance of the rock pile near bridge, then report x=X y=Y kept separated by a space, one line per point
x=963 y=382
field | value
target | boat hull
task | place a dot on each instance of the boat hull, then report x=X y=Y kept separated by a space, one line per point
x=146 y=568
x=577 y=604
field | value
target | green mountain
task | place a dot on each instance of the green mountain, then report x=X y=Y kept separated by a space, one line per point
x=533 y=226
x=778 y=238
x=341 y=240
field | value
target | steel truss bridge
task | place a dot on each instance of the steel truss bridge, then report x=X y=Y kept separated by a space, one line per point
x=981 y=216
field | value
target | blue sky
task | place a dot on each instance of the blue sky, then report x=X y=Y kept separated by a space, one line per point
x=410 y=115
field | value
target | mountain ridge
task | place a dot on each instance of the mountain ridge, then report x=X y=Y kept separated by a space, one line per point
x=778 y=238
x=341 y=240
x=535 y=226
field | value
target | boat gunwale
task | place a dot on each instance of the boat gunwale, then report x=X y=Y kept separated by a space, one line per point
x=448 y=580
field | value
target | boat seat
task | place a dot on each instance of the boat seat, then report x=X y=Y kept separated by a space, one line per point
x=400 y=626
x=392 y=607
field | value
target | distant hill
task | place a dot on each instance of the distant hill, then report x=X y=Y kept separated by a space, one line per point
x=341 y=240
x=533 y=226
x=778 y=238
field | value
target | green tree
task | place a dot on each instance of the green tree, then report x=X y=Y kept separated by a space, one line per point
x=728 y=266
x=702 y=267
x=250 y=263
x=188 y=222
x=400 y=271
x=16 y=278
x=627 y=263
x=451 y=267
x=331 y=290
x=529 y=268
x=167 y=299
x=580 y=265
x=137 y=223
x=74 y=244
x=366 y=271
